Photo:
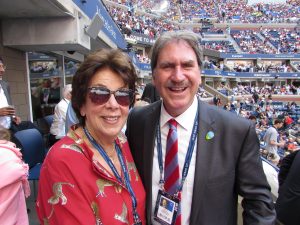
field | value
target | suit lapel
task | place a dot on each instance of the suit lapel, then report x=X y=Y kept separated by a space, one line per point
x=204 y=146
x=6 y=91
x=151 y=122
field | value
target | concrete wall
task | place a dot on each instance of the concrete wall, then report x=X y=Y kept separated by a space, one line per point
x=16 y=76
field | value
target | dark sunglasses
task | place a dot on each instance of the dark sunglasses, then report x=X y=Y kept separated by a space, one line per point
x=100 y=95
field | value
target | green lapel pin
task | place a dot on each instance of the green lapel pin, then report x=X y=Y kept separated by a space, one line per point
x=210 y=135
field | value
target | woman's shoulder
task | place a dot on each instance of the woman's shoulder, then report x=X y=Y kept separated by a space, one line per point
x=9 y=149
x=66 y=150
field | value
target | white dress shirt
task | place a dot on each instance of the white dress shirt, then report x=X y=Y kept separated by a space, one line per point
x=184 y=130
x=59 y=119
x=5 y=121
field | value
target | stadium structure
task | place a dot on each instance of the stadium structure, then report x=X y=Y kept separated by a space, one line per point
x=246 y=44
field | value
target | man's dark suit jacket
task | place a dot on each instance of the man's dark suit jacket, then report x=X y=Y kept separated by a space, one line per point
x=6 y=90
x=288 y=202
x=15 y=127
x=226 y=165
x=150 y=93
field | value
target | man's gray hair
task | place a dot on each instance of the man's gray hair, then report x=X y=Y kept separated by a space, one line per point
x=183 y=35
x=67 y=89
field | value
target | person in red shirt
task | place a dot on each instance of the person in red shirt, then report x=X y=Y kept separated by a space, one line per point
x=89 y=176
x=287 y=120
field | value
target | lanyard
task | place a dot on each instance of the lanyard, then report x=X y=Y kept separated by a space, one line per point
x=188 y=155
x=117 y=175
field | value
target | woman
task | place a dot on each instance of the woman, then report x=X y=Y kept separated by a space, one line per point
x=14 y=186
x=89 y=176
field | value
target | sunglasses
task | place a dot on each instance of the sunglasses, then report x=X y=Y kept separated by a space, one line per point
x=100 y=95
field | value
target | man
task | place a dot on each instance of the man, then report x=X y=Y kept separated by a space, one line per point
x=8 y=119
x=71 y=118
x=287 y=121
x=57 y=129
x=150 y=94
x=224 y=161
x=271 y=140
x=255 y=97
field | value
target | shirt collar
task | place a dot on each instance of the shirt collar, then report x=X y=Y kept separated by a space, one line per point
x=67 y=101
x=184 y=119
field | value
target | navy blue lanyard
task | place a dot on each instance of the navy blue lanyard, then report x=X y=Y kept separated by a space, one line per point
x=117 y=175
x=188 y=155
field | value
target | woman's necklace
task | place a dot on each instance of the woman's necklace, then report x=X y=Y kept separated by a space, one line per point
x=112 y=155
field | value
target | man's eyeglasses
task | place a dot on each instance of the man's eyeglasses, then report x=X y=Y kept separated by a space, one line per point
x=3 y=66
x=100 y=95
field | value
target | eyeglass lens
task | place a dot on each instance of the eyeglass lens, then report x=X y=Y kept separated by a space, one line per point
x=100 y=95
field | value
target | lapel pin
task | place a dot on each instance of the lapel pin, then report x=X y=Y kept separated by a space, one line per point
x=210 y=135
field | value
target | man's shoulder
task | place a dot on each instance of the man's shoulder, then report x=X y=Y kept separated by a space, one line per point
x=272 y=129
x=63 y=104
x=145 y=110
x=218 y=113
x=4 y=83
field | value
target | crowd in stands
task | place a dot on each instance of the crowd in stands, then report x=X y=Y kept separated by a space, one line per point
x=221 y=46
x=273 y=67
x=296 y=64
x=223 y=11
x=262 y=41
x=130 y=22
x=264 y=112
x=266 y=90
x=137 y=17
x=249 y=42
x=202 y=93
x=285 y=40
x=243 y=67
x=258 y=13
x=250 y=67
x=269 y=67
x=143 y=58
x=213 y=65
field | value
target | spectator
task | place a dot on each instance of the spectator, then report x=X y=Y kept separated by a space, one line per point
x=227 y=145
x=71 y=118
x=150 y=93
x=288 y=202
x=14 y=186
x=57 y=129
x=271 y=140
x=89 y=176
x=8 y=118
x=255 y=97
x=287 y=121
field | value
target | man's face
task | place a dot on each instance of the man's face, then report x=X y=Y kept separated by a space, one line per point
x=2 y=69
x=280 y=125
x=177 y=76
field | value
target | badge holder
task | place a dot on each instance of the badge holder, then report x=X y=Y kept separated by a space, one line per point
x=166 y=208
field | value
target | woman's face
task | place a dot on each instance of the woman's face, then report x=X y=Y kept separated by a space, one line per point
x=105 y=121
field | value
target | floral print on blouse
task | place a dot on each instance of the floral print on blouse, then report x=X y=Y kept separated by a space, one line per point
x=74 y=188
